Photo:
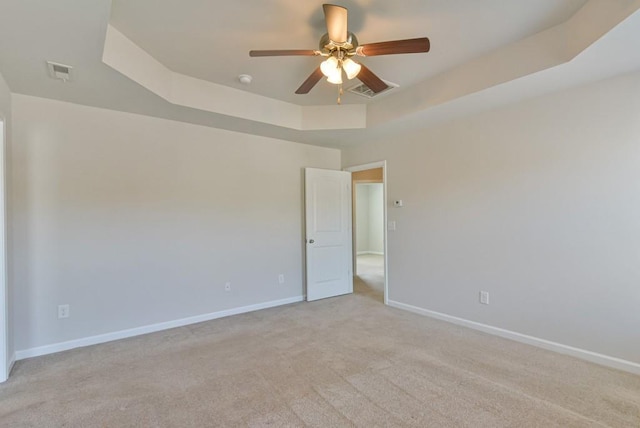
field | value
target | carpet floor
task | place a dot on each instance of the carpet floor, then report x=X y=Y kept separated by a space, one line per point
x=370 y=268
x=340 y=362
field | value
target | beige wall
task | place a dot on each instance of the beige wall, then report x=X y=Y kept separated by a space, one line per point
x=537 y=203
x=369 y=218
x=133 y=220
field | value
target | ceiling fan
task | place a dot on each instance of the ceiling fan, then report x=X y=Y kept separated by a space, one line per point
x=338 y=45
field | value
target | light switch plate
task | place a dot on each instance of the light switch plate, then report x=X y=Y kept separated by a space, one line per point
x=484 y=297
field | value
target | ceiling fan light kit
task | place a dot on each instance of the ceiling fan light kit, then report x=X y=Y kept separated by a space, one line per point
x=338 y=45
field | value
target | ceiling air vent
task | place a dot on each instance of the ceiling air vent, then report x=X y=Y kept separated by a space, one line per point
x=60 y=71
x=364 y=91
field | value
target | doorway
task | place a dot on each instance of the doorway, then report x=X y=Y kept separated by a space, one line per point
x=369 y=231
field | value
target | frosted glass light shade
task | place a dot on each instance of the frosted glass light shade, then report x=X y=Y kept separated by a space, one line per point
x=331 y=68
x=335 y=78
x=351 y=68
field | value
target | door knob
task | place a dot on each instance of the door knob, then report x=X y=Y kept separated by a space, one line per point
x=311 y=241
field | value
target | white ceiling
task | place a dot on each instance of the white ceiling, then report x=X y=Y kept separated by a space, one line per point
x=194 y=38
x=211 y=40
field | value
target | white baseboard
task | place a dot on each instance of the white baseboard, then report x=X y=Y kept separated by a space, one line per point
x=375 y=253
x=593 y=357
x=123 y=334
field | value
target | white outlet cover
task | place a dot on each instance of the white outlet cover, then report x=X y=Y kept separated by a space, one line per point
x=63 y=311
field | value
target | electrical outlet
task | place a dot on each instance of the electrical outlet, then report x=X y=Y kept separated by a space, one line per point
x=484 y=297
x=63 y=311
x=281 y=278
x=227 y=286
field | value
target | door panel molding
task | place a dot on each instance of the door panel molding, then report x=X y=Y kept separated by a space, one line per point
x=328 y=246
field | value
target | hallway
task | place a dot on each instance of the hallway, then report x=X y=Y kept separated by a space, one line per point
x=369 y=280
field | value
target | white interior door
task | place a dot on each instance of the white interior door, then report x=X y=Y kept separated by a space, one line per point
x=328 y=230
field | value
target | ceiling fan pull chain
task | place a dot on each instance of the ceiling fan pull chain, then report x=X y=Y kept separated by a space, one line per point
x=340 y=94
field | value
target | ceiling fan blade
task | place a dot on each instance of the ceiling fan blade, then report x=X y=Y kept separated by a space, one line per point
x=395 y=47
x=285 y=52
x=336 y=19
x=374 y=83
x=311 y=81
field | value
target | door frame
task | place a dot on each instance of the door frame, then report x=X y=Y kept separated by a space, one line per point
x=379 y=164
x=6 y=360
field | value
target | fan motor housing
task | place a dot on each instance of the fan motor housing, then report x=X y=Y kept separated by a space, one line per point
x=327 y=45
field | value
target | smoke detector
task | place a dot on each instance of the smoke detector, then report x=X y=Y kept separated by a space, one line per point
x=60 y=71
x=245 y=79
x=365 y=91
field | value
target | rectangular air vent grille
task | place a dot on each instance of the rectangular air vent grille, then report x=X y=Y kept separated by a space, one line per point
x=59 y=71
x=364 y=91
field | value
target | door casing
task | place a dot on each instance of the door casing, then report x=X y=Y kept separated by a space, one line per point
x=379 y=164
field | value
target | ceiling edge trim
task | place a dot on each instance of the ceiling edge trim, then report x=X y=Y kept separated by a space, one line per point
x=127 y=58
x=544 y=50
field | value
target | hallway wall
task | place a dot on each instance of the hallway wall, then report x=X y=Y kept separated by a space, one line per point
x=369 y=218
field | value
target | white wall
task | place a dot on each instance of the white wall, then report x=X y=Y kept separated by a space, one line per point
x=6 y=339
x=537 y=203
x=376 y=218
x=362 y=218
x=369 y=218
x=133 y=220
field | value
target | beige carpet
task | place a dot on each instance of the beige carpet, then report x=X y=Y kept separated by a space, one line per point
x=370 y=269
x=346 y=361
